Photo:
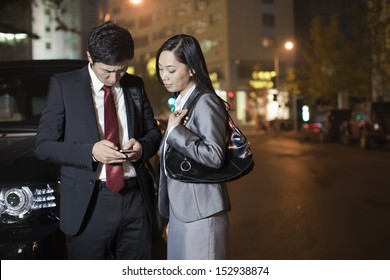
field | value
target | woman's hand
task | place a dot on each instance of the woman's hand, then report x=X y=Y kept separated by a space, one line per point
x=176 y=118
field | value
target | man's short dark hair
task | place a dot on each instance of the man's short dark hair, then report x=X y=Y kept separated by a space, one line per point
x=110 y=44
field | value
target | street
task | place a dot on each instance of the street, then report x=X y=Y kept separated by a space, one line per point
x=311 y=201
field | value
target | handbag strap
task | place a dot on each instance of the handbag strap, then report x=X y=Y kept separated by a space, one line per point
x=191 y=105
x=233 y=127
x=193 y=102
x=136 y=97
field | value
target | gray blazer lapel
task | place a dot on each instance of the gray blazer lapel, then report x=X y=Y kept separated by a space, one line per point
x=191 y=98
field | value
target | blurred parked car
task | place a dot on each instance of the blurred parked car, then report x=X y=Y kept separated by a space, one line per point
x=334 y=122
x=314 y=130
x=369 y=125
x=326 y=127
x=29 y=188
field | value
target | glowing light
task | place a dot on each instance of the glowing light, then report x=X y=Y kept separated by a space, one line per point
x=4 y=37
x=151 y=66
x=289 y=45
x=262 y=79
x=171 y=101
x=131 y=70
x=305 y=113
x=136 y=2
x=230 y=94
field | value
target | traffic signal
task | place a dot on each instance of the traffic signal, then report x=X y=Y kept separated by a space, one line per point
x=305 y=113
x=171 y=103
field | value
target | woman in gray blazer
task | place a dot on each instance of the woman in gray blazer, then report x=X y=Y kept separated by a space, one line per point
x=197 y=212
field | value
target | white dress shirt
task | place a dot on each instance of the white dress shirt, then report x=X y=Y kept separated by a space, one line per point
x=179 y=103
x=98 y=99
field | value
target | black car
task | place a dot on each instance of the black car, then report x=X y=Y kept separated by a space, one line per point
x=334 y=120
x=369 y=125
x=326 y=127
x=29 y=188
x=314 y=130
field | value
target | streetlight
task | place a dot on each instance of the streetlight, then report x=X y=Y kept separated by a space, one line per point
x=288 y=45
x=135 y=2
x=103 y=7
x=281 y=98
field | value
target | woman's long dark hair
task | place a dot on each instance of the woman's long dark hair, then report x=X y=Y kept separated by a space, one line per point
x=187 y=50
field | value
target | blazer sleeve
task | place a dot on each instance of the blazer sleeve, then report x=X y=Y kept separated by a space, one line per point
x=62 y=137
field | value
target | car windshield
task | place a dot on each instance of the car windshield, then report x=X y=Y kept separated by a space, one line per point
x=23 y=89
x=22 y=97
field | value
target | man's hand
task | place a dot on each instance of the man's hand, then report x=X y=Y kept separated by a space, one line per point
x=107 y=152
x=136 y=148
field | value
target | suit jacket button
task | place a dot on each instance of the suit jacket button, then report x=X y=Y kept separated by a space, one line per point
x=91 y=182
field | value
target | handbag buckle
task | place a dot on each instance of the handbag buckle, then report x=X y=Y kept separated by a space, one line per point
x=185 y=165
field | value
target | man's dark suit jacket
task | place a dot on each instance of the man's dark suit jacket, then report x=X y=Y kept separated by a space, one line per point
x=68 y=130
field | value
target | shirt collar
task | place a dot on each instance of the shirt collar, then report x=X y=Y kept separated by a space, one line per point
x=95 y=82
x=180 y=100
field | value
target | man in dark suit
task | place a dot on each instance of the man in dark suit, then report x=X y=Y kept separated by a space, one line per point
x=103 y=215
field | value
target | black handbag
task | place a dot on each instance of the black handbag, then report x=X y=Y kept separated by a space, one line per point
x=238 y=161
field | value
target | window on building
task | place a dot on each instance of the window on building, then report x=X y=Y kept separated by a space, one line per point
x=196 y=26
x=116 y=10
x=145 y=21
x=48 y=45
x=164 y=33
x=170 y=11
x=157 y=16
x=244 y=70
x=183 y=9
x=141 y=41
x=128 y=23
x=268 y=20
x=267 y=42
x=211 y=44
x=215 y=18
x=201 y=5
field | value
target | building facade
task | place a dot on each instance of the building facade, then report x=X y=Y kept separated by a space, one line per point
x=15 y=32
x=242 y=42
x=63 y=31
x=47 y=29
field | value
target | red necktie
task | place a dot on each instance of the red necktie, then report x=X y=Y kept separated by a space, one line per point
x=114 y=172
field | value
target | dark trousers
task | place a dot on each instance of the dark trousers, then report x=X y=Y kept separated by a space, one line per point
x=117 y=226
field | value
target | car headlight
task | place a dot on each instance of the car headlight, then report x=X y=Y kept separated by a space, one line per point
x=19 y=201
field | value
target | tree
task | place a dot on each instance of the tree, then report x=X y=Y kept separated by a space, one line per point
x=335 y=62
x=379 y=26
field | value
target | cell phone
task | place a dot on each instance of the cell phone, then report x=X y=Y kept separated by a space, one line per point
x=126 y=151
